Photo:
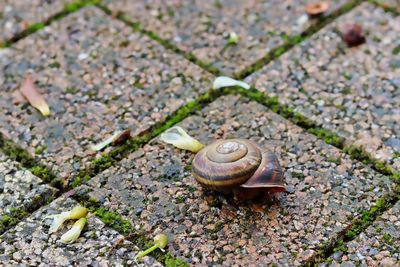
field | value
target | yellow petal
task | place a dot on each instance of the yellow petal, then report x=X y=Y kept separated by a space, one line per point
x=74 y=233
x=178 y=137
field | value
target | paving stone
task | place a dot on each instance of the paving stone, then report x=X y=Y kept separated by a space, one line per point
x=19 y=188
x=351 y=91
x=379 y=245
x=29 y=244
x=153 y=188
x=97 y=76
x=203 y=27
x=17 y=15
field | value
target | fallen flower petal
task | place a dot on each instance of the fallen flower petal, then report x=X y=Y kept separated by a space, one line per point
x=178 y=137
x=160 y=241
x=74 y=233
x=223 y=81
x=29 y=90
x=58 y=219
x=106 y=142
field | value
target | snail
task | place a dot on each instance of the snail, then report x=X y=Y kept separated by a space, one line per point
x=233 y=165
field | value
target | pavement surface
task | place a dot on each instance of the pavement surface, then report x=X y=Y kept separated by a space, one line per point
x=142 y=65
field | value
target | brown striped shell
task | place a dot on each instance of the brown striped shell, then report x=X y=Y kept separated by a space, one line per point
x=240 y=166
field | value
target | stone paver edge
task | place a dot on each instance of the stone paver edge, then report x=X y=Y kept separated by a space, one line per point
x=34 y=27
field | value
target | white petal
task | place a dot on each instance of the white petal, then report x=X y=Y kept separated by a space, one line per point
x=105 y=143
x=74 y=233
x=179 y=138
x=58 y=220
x=223 y=81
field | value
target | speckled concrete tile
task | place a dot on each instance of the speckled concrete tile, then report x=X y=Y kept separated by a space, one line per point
x=354 y=92
x=29 y=244
x=379 y=245
x=154 y=189
x=17 y=15
x=97 y=76
x=203 y=27
x=19 y=188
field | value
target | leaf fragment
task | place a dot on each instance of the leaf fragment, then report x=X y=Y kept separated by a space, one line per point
x=117 y=138
x=31 y=93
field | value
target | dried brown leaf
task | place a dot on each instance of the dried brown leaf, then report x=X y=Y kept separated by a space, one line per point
x=30 y=92
x=121 y=137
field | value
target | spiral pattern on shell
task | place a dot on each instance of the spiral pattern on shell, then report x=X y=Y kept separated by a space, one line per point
x=232 y=163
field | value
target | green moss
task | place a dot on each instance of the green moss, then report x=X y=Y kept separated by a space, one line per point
x=68 y=8
x=290 y=42
x=11 y=218
x=328 y=136
x=358 y=225
x=388 y=238
x=115 y=221
x=171 y=261
x=20 y=155
x=388 y=8
x=167 y=44
x=39 y=150
x=396 y=50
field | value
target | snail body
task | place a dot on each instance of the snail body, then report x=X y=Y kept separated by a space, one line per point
x=239 y=166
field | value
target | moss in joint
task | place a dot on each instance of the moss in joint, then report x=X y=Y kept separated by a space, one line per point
x=115 y=221
x=20 y=155
x=68 y=9
x=290 y=42
x=358 y=226
x=12 y=218
x=167 y=44
x=171 y=261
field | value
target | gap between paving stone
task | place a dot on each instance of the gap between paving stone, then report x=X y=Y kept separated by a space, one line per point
x=358 y=226
x=115 y=221
x=294 y=40
x=386 y=7
x=137 y=27
x=32 y=28
x=107 y=160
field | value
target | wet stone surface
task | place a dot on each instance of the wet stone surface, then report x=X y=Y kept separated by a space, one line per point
x=379 y=245
x=19 y=188
x=97 y=77
x=17 y=15
x=354 y=92
x=30 y=244
x=203 y=27
x=154 y=189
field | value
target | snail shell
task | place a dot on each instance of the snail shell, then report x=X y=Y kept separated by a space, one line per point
x=240 y=166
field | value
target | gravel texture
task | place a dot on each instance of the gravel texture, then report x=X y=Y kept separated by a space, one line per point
x=379 y=245
x=154 y=189
x=203 y=27
x=354 y=92
x=97 y=76
x=17 y=15
x=29 y=243
x=19 y=188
